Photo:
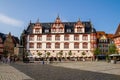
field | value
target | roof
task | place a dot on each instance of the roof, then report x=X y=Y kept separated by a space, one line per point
x=15 y=40
x=101 y=33
x=3 y=36
x=110 y=36
x=117 y=33
x=67 y=25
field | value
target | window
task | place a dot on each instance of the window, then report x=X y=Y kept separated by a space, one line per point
x=39 y=45
x=66 y=37
x=93 y=37
x=76 y=45
x=31 y=45
x=79 y=29
x=57 y=37
x=118 y=46
x=53 y=29
x=85 y=45
x=46 y=30
x=57 y=45
x=85 y=37
x=60 y=29
x=48 y=37
x=37 y=30
x=31 y=37
x=76 y=37
x=92 y=45
x=98 y=45
x=39 y=37
x=68 y=30
x=48 y=45
x=66 y=45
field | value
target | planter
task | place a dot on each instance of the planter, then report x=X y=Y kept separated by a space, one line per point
x=96 y=59
x=83 y=59
x=113 y=61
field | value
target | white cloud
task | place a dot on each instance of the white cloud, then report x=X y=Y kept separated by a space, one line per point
x=10 y=21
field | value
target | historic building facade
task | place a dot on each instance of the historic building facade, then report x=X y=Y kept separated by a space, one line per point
x=11 y=45
x=2 y=38
x=1 y=46
x=103 y=41
x=117 y=38
x=75 y=37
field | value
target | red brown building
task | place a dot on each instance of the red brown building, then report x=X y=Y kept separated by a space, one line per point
x=2 y=38
x=103 y=41
x=9 y=45
x=117 y=38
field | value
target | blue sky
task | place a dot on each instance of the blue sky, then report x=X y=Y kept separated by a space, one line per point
x=16 y=14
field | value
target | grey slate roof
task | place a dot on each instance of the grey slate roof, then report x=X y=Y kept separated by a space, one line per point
x=3 y=36
x=67 y=25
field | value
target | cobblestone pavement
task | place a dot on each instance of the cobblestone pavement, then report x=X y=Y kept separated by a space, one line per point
x=68 y=71
x=100 y=66
x=10 y=73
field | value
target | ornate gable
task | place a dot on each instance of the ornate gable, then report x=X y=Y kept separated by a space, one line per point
x=103 y=37
x=79 y=27
x=58 y=26
x=37 y=27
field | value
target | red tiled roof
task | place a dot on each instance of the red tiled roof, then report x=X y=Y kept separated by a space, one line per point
x=101 y=33
x=110 y=36
x=117 y=33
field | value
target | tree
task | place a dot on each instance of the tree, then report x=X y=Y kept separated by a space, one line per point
x=61 y=53
x=69 y=53
x=96 y=52
x=5 y=53
x=26 y=54
x=39 y=54
x=112 y=49
x=83 y=54
x=48 y=54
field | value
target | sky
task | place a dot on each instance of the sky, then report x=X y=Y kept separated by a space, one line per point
x=15 y=15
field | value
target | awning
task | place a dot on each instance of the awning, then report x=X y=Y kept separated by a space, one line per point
x=114 y=55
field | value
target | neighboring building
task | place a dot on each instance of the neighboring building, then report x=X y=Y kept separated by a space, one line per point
x=16 y=45
x=103 y=41
x=11 y=45
x=77 y=37
x=2 y=38
x=1 y=46
x=117 y=38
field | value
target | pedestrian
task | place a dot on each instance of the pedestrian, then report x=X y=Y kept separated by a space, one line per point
x=3 y=59
x=43 y=62
x=8 y=59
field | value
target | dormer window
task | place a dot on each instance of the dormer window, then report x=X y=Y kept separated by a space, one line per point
x=58 y=26
x=68 y=30
x=79 y=29
x=46 y=30
x=54 y=30
x=37 y=30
